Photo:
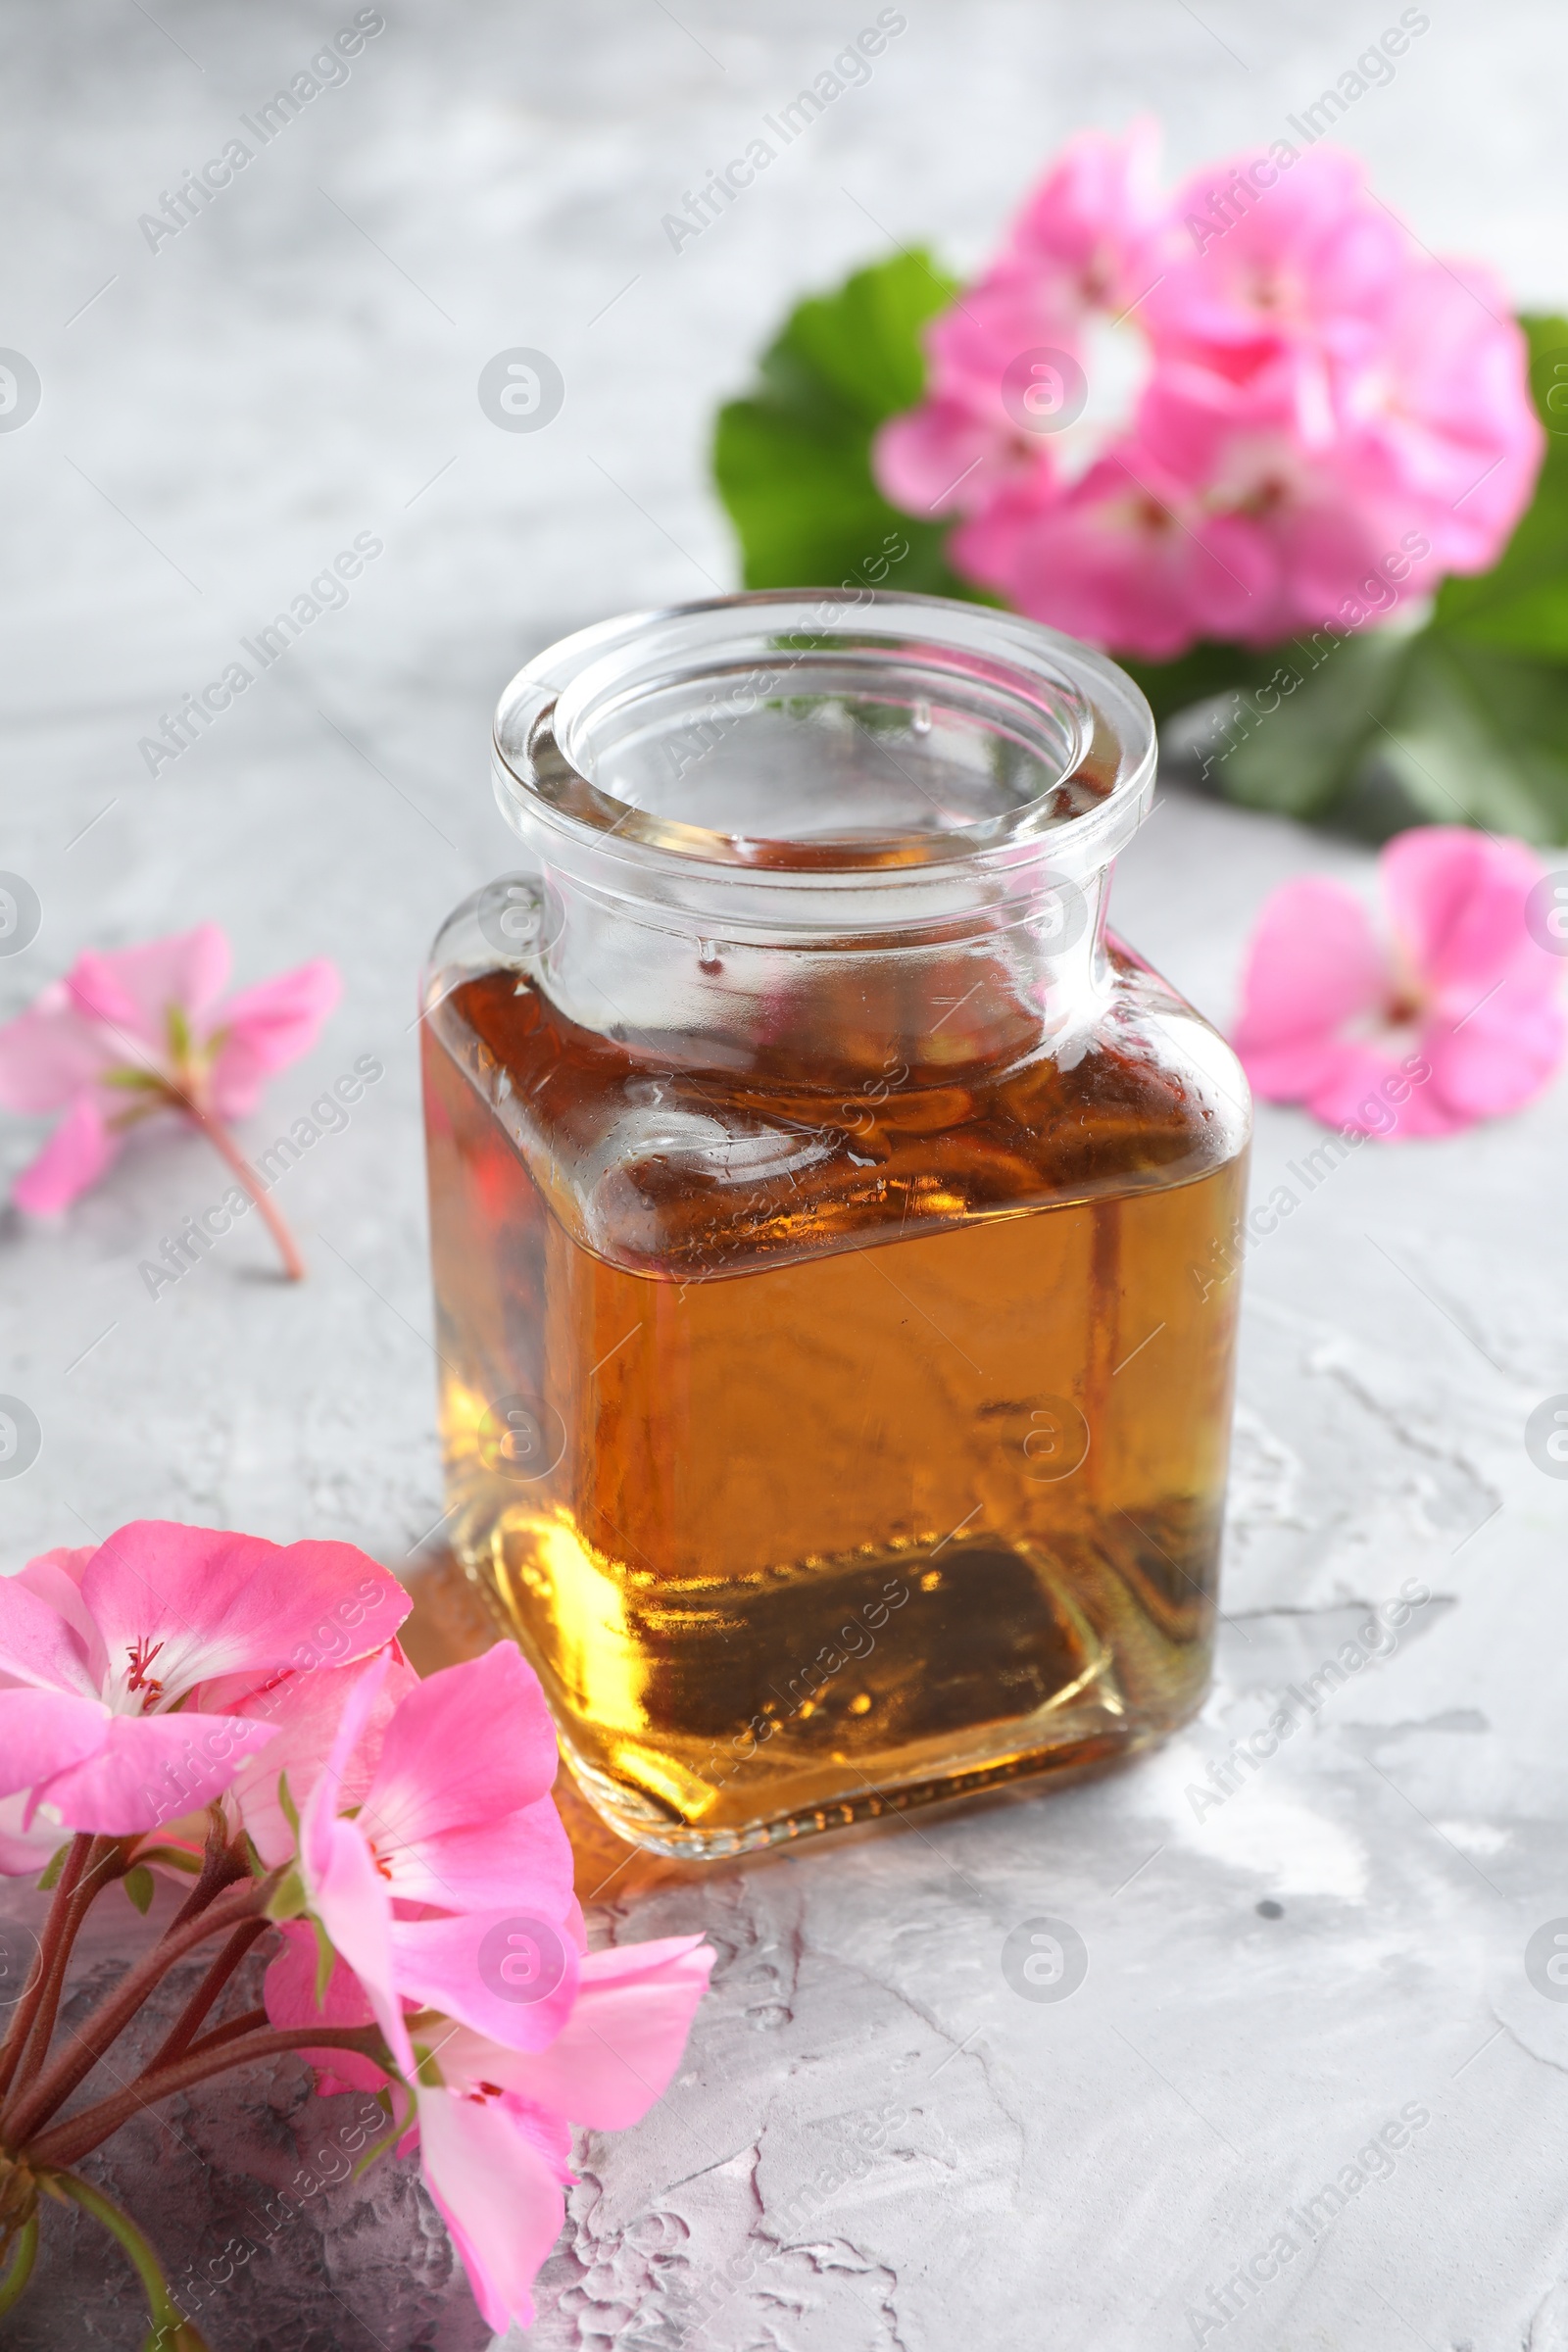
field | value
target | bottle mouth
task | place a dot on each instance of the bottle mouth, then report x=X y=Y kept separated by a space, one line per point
x=826 y=733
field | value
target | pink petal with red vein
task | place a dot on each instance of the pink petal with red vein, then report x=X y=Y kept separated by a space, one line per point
x=499 y=2195
x=620 y=2048
x=487 y=1864
x=222 y=1604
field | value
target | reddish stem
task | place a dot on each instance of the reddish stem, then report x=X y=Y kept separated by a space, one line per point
x=221 y=1866
x=230 y=1153
x=33 y=2105
x=252 y=2022
x=54 y=1928
x=60 y=1933
x=74 y=2139
x=184 y=2028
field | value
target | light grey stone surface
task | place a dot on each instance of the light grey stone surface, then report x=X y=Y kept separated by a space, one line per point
x=299 y=364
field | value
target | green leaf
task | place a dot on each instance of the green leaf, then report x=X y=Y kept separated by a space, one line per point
x=1297 y=740
x=1482 y=737
x=179 y=1040
x=53 y=1867
x=1202 y=672
x=1521 y=604
x=793 y=462
x=139 y=1884
x=139 y=1082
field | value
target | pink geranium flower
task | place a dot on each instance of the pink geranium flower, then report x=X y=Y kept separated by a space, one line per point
x=399 y=1834
x=1450 y=1016
x=433 y=1858
x=1082 y=251
x=492 y=2121
x=121 y=1666
x=126 y=1035
x=455 y=1816
x=1286 y=415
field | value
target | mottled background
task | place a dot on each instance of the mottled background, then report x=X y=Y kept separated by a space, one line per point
x=298 y=366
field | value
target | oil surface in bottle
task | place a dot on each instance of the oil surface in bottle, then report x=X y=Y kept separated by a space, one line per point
x=819 y=1472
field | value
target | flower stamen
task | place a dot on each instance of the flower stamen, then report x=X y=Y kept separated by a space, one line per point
x=141 y=1658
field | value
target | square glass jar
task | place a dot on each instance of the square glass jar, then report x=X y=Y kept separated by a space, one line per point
x=828 y=1219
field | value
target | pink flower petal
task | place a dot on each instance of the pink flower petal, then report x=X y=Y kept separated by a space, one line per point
x=460 y=1966
x=499 y=2195
x=1501 y=1059
x=307 y=1710
x=25 y=1851
x=1097 y=214
x=150 y=1770
x=619 y=2051
x=38 y=1645
x=288 y=1991
x=468 y=1743
x=484 y=1865
x=1459 y=1020
x=81 y=1148
x=223 y=1605
x=1367 y=1090
x=347 y=1891
x=319 y=1816
x=266 y=1027
x=1458 y=901
x=349 y=1896
x=49 y=1054
x=1313 y=964
x=43 y=1731
x=132 y=991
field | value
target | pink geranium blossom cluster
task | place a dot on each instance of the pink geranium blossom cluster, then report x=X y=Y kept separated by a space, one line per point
x=400 y=1835
x=1252 y=406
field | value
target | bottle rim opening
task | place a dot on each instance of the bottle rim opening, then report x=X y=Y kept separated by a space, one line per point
x=932 y=733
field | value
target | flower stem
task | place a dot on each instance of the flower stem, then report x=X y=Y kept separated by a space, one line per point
x=252 y=2022
x=221 y=1866
x=92 y=1864
x=168 y=2324
x=74 y=2138
x=35 y=2104
x=185 y=2027
x=20 y=2269
x=230 y=1153
x=54 y=1928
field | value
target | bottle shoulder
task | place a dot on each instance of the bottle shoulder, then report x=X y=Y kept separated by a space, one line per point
x=669 y=1167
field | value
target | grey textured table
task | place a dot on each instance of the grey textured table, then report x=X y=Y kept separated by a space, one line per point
x=1343 y=1940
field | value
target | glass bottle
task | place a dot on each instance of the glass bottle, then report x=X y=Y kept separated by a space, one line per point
x=830 y=1219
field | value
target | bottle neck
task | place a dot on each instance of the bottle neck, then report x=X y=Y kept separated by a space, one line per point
x=862 y=1009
